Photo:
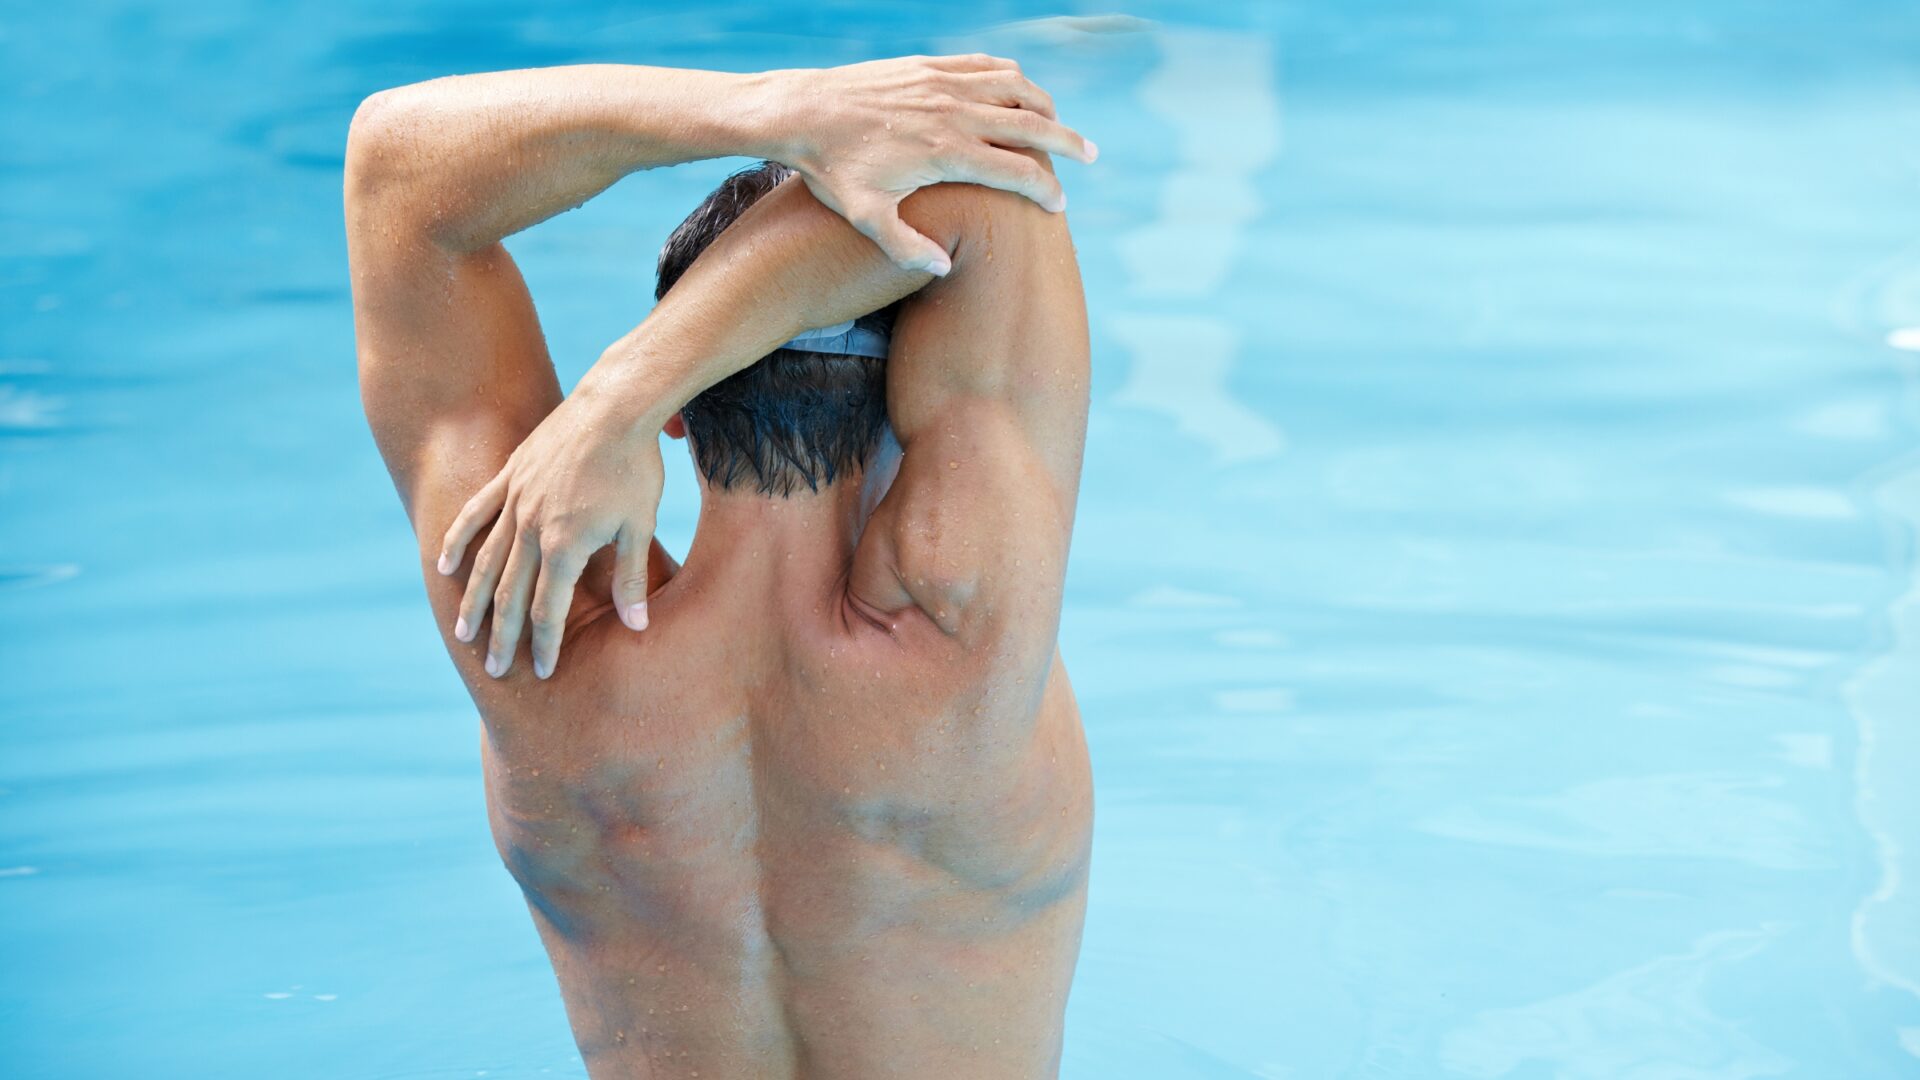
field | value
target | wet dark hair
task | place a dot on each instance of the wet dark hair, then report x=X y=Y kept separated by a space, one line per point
x=793 y=417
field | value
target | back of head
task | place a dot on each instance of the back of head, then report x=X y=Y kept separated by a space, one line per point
x=793 y=417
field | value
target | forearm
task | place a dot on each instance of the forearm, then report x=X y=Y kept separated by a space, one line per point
x=470 y=159
x=789 y=264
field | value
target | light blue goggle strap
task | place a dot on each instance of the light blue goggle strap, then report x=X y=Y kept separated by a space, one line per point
x=845 y=339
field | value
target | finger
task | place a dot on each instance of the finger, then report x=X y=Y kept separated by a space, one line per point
x=510 y=604
x=1009 y=171
x=1012 y=89
x=1018 y=127
x=486 y=572
x=973 y=62
x=552 y=597
x=907 y=248
x=632 y=546
x=483 y=507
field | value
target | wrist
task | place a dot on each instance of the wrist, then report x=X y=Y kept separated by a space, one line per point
x=770 y=119
x=635 y=389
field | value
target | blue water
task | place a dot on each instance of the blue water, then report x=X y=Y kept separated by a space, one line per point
x=1494 y=603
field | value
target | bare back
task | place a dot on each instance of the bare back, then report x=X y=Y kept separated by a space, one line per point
x=765 y=840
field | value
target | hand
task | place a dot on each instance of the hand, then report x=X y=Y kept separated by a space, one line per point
x=583 y=479
x=871 y=134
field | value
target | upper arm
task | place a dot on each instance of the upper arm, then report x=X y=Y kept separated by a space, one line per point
x=987 y=384
x=453 y=368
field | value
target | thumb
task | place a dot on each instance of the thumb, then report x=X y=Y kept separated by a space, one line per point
x=906 y=247
x=631 y=547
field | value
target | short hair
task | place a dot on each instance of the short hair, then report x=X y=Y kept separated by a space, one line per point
x=792 y=417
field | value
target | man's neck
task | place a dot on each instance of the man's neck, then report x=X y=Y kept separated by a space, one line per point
x=807 y=534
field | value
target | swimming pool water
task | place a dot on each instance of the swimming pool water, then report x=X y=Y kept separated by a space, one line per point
x=1493 y=605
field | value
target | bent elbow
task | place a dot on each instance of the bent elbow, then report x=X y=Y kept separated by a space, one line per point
x=373 y=159
x=952 y=213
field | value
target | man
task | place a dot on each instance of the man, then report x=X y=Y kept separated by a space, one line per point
x=816 y=803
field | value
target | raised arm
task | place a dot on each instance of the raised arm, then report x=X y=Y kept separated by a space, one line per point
x=471 y=159
x=454 y=369
x=987 y=391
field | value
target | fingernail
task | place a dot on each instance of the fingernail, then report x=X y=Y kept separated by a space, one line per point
x=1093 y=151
x=637 y=615
x=542 y=669
x=445 y=565
x=461 y=630
x=1060 y=204
x=493 y=665
x=940 y=266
